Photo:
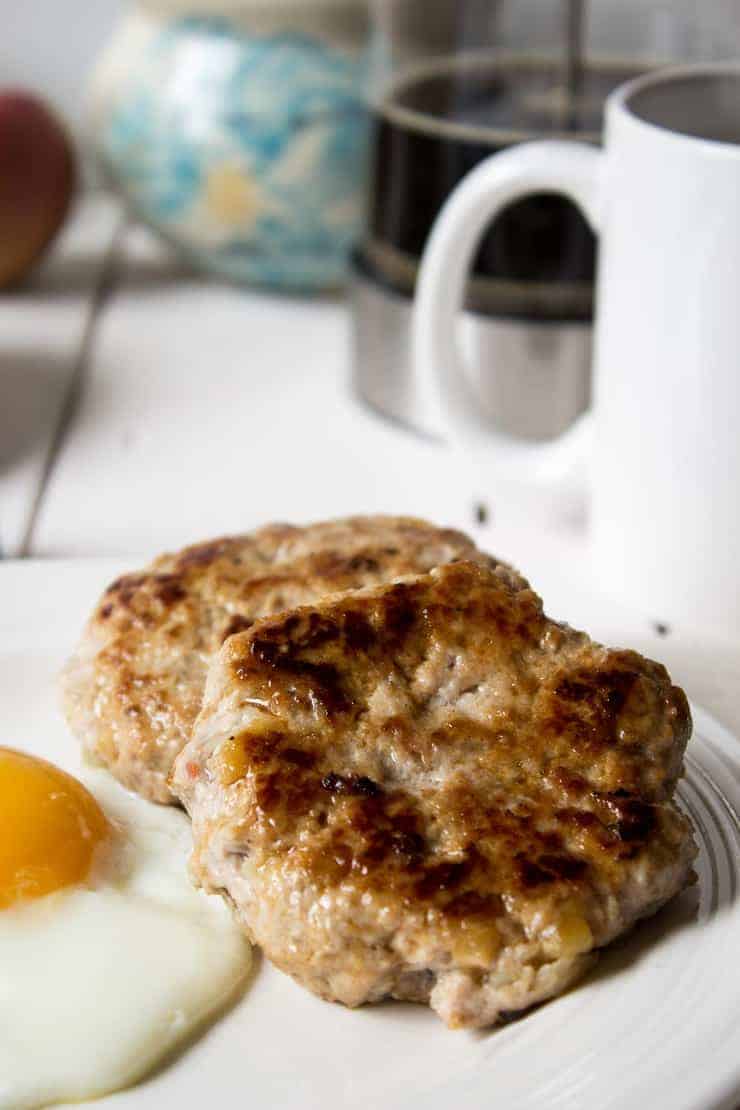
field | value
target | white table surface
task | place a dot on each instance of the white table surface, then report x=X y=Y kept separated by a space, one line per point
x=142 y=408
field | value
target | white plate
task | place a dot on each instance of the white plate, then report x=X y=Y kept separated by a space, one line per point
x=656 y=1025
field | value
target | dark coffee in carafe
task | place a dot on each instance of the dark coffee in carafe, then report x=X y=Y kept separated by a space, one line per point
x=435 y=125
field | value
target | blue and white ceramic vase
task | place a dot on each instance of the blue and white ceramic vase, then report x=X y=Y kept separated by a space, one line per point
x=240 y=133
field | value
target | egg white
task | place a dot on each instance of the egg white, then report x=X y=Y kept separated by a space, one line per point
x=98 y=984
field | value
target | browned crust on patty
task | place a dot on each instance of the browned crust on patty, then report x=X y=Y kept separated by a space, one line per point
x=134 y=687
x=440 y=752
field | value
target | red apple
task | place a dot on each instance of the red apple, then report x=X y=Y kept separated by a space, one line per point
x=37 y=179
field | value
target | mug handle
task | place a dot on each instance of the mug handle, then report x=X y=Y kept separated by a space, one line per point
x=551 y=165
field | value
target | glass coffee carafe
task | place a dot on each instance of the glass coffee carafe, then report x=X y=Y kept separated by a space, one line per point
x=453 y=82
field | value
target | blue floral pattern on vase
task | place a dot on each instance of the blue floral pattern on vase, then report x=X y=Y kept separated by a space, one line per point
x=247 y=152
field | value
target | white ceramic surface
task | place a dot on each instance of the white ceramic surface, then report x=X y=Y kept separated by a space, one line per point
x=665 y=466
x=655 y=1025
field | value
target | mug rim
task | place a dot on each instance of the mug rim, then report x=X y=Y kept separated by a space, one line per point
x=618 y=102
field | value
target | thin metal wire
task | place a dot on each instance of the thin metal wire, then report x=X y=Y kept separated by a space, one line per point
x=575 y=23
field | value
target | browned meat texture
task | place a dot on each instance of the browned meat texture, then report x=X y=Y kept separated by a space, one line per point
x=430 y=790
x=134 y=686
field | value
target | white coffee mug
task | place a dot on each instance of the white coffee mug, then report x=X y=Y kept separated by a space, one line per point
x=663 y=439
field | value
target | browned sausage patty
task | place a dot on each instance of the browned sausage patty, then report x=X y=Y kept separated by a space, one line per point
x=134 y=686
x=431 y=791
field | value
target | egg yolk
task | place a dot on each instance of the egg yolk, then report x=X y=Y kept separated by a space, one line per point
x=50 y=828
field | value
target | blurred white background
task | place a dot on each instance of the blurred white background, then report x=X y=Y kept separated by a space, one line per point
x=50 y=46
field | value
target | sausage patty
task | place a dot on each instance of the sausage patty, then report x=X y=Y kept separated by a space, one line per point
x=429 y=790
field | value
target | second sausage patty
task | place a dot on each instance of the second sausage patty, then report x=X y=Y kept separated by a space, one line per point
x=134 y=686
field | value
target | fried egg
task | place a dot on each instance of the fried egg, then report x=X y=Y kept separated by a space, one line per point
x=109 y=958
